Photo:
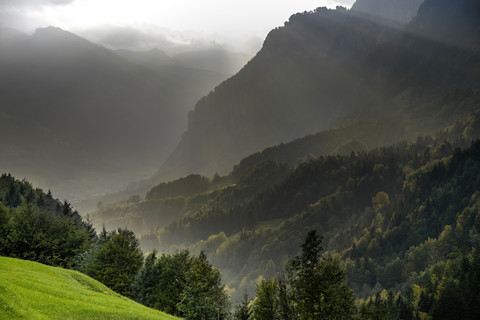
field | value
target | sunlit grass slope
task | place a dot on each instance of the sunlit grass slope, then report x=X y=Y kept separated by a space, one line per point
x=30 y=290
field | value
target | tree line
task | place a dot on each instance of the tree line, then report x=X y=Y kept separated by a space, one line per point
x=415 y=245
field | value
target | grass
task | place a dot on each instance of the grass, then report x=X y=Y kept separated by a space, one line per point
x=30 y=290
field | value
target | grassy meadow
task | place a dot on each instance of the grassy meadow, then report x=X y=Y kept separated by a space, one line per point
x=30 y=290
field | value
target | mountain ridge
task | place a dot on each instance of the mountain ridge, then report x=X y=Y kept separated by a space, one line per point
x=345 y=65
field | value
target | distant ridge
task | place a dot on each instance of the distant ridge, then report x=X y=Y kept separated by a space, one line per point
x=82 y=120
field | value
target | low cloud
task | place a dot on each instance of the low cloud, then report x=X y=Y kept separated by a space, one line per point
x=33 y=3
x=147 y=38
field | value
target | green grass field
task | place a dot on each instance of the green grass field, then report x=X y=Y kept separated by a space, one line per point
x=30 y=290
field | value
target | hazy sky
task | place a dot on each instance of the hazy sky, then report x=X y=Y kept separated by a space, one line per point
x=144 y=24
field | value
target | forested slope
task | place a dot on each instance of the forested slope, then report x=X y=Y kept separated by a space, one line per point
x=248 y=222
x=392 y=186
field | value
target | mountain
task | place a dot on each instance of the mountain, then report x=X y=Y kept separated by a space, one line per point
x=32 y=290
x=382 y=204
x=331 y=67
x=82 y=120
x=294 y=86
x=401 y=11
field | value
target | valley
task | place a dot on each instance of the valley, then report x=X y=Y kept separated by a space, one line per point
x=334 y=174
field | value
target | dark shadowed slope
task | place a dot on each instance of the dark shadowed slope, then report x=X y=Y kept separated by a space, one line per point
x=75 y=116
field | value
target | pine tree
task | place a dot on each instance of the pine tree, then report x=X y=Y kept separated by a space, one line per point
x=318 y=285
x=285 y=307
x=145 y=284
x=203 y=296
x=243 y=310
x=265 y=306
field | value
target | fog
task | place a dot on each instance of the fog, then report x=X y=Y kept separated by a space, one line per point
x=172 y=26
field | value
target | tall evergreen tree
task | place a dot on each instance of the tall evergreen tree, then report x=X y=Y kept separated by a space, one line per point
x=265 y=306
x=318 y=285
x=243 y=310
x=145 y=284
x=203 y=296
x=285 y=302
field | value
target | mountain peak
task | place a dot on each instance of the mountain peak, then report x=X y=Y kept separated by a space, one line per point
x=49 y=30
x=55 y=33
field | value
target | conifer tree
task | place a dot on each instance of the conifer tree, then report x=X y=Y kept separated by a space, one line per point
x=203 y=296
x=145 y=284
x=243 y=310
x=318 y=284
x=265 y=306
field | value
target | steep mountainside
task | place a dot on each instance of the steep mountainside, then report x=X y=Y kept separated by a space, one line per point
x=328 y=65
x=300 y=82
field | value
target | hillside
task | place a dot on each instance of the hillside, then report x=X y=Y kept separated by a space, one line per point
x=158 y=211
x=35 y=226
x=248 y=222
x=336 y=66
x=30 y=290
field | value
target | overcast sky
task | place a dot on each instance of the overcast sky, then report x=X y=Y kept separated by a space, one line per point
x=144 y=24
